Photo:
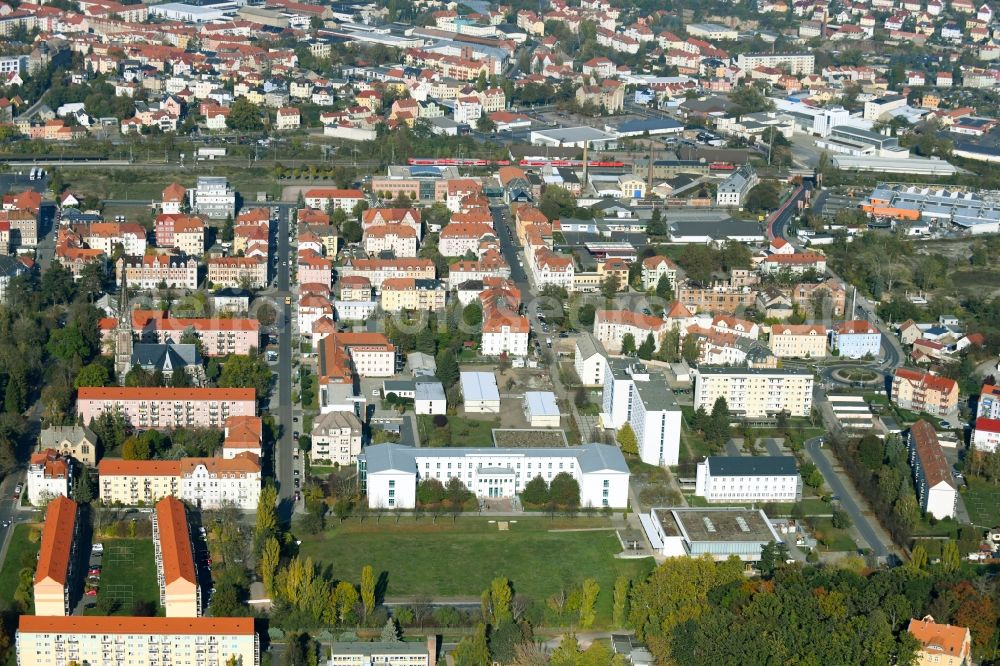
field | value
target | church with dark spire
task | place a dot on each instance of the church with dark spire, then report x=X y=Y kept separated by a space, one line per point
x=123 y=335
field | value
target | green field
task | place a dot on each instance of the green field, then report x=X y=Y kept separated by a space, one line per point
x=982 y=499
x=459 y=558
x=835 y=540
x=128 y=573
x=460 y=431
x=21 y=552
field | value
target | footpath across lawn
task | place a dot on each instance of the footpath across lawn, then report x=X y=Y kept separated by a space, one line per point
x=424 y=560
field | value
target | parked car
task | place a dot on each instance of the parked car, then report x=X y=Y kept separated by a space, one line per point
x=97 y=548
x=92 y=592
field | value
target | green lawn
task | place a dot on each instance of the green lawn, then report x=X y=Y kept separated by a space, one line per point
x=460 y=431
x=982 y=499
x=128 y=573
x=21 y=552
x=835 y=540
x=459 y=558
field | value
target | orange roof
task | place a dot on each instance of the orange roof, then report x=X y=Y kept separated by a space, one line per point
x=677 y=310
x=158 y=393
x=243 y=430
x=352 y=282
x=57 y=541
x=392 y=229
x=454 y=230
x=333 y=193
x=934 y=382
x=246 y=462
x=235 y=261
x=630 y=318
x=154 y=319
x=385 y=215
x=100 y=624
x=924 y=439
x=799 y=258
x=653 y=262
x=403 y=263
x=174 y=192
x=937 y=638
x=798 y=329
x=175 y=541
x=857 y=326
x=120 y=467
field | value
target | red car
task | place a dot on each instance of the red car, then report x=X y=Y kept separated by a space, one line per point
x=91 y=592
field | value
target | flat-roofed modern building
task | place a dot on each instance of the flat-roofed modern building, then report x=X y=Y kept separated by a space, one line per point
x=480 y=394
x=398 y=653
x=180 y=594
x=749 y=479
x=541 y=410
x=631 y=395
x=389 y=473
x=720 y=533
x=56 y=555
x=136 y=641
x=755 y=392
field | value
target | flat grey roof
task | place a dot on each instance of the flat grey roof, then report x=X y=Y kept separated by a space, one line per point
x=574 y=134
x=752 y=465
x=361 y=647
x=655 y=394
x=429 y=391
x=480 y=386
x=592 y=457
x=730 y=524
x=541 y=403
x=717 y=229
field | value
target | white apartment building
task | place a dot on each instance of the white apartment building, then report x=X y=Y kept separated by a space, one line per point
x=755 y=392
x=796 y=63
x=49 y=475
x=505 y=333
x=336 y=438
x=398 y=239
x=325 y=198
x=590 y=360
x=133 y=641
x=647 y=405
x=389 y=473
x=748 y=479
x=932 y=476
x=213 y=197
x=734 y=189
x=986 y=436
x=611 y=327
x=654 y=268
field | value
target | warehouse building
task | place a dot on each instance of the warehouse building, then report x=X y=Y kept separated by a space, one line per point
x=480 y=393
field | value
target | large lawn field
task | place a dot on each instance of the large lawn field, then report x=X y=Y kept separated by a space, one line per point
x=129 y=573
x=21 y=552
x=982 y=499
x=424 y=560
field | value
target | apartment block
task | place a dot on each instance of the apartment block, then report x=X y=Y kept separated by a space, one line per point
x=243 y=272
x=136 y=641
x=154 y=407
x=611 y=327
x=856 y=339
x=798 y=340
x=213 y=197
x=755 y=392
x=748 y=479
x=336 y=438
x=400 y=294
x=590 y=360
x=180 y=593
x=327 y=198
x=218 y=336
x=379 y=270
x=631 y=395
x=50 y=475
x=795 y=63
x=153 y=270
x=931 y=472
x=55 y=573
x=204 y=482
x=923 y=392
x=654 y=268
x=989 y=402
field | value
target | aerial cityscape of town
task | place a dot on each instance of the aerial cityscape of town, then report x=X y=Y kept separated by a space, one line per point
x=569 y=332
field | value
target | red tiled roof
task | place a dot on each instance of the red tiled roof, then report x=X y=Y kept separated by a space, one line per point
x=175 y=541
x=158 y=393
x=934 y=382
x=925 y=440
x=57 y=541
x=630 y=318
x=99 y=624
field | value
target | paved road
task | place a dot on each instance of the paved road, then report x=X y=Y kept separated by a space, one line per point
x=846 y=497
x=283 y=461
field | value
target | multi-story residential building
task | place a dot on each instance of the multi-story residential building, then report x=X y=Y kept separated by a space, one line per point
x=924 y=392
x=989 y=402
x=342 y=356
x=174 y=198
x=154 y=407
x=755 y=392
x=55 y=572
x=748 y=479
x=798 y=340
x=243 y=272
x=189 y=235
x=397 y=239
x=794 y=264
x=716 y=298
x=50 y=475
x=207 y=483
x=796 y=63
x=180 y=592
x=941 y=644
x=314 y=268
x=490 y=265
x=986 y=435
x=154 y=270
x=611 y=327
x=113 y=641
x=734 y=189
x=590 y=360
x=218 y=336
x=400 y=294
x=458 y=239
x=329 y=198
x=336 y=438
x=75 y=441
x=654 y=268
x=243 y=434
x=551 y=268
x=931 y=472
x=856 y=339
x=645 y=402
x=504 y=332
x=105 y=236
x=378 y=270
x=830 y=296
x=389 y=473
x=409 y=217
x=213 y=197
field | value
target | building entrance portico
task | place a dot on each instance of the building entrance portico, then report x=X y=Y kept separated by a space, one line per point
x=494 y=482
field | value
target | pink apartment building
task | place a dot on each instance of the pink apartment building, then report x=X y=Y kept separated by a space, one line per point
x=156 y=407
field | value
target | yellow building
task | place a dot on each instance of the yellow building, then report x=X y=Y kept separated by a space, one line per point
x=798 y=341
x=409 y=294
x=941 y=644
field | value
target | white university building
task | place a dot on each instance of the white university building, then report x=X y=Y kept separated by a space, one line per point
x=647 y=405
x=749 y=479
x=389 y=473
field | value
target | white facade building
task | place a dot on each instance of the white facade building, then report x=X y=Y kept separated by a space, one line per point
x=590 y=360
x=429 y=398
x=49 y=475
x=480 y=393
x=749 y=479
x=647 y=405
x=389 y=473
x=931 y=472
x=213 y=197
x=734 y=189
x=986 y=436
x=336 y=437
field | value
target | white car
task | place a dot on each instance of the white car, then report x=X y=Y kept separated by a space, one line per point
x=97 y=548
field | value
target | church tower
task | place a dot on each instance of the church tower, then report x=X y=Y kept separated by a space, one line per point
x=123 y=334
